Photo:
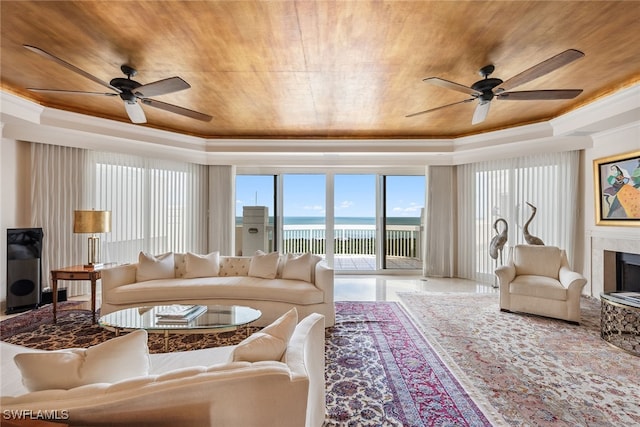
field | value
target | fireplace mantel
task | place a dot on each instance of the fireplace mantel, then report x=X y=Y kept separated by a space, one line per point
x=604 y=244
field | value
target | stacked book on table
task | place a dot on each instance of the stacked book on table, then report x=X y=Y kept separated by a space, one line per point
x=179 y=314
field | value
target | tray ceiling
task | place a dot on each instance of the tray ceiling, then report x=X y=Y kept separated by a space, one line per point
x=305 y=69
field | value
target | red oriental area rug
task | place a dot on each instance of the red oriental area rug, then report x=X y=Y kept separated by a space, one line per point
x=380 y=369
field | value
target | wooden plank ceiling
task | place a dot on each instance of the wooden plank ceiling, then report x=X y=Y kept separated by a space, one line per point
x=311 y=69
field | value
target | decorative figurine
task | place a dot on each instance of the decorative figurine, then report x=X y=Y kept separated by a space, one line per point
x=532 y=240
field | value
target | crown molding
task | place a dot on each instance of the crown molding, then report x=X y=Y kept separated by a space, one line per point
x=25 y=120
x=20 y=108
x=331 y=145
x=619 y=109
x=550 y=144
x=505 y=136
x=114 y=129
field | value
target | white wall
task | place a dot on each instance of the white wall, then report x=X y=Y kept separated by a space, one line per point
x=15 y=211
x=613 y=142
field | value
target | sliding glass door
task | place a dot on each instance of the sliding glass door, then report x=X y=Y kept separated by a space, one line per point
x=403 y=199
x=303 y=213
x=355 y=237
x=358 y=222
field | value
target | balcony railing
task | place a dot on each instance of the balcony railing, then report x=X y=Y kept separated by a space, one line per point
x=401 y=240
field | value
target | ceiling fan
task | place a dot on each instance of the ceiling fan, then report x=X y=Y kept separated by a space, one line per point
x=485 y=90
x=130 y=91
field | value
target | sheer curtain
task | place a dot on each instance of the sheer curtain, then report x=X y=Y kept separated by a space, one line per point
x=440 y=224
x=222 y=226
x=58 y=187
x=501 y=189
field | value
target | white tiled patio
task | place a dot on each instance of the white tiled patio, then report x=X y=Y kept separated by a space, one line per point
x=368 y=263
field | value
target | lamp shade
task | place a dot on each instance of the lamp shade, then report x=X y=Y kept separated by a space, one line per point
x=91 y=221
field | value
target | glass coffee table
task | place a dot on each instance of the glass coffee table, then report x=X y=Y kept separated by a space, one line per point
x=180 y=319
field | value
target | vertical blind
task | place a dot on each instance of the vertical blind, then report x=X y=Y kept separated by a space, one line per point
x=501 y=189
x=156 y=206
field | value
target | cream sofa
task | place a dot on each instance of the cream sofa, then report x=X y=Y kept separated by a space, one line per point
x=271 y=283
x=538 y=280
x=192 y=388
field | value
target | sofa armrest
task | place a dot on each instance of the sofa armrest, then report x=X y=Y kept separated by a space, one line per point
x=571 y=280
x=506 y=274
x=305 y=358
x=324 y=280
x=117 y=276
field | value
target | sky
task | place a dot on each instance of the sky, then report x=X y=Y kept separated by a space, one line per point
x=354 y=195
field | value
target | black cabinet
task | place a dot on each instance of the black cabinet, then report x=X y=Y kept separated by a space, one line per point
x=24 y=268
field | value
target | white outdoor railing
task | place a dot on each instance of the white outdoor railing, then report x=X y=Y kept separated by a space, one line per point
x=402 y=240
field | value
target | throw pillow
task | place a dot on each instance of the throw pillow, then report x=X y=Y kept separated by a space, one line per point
x=297 y=267
x=155 y=267
x=258 y=347
x=264 y=265
x=269 y=343
x=202 y=265
x=109 y=362
x=234 y=266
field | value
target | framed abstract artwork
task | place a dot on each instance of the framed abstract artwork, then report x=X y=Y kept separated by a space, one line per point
x=617 y=189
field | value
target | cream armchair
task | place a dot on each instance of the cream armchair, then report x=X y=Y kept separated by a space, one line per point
x=538 y=280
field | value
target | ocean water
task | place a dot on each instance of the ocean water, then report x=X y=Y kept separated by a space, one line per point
x=341 y=220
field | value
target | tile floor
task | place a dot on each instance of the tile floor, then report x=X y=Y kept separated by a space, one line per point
x=372 y=288
x=385 y=288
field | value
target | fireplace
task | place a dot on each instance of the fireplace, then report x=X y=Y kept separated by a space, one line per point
x=604 y=266
x=627 y=272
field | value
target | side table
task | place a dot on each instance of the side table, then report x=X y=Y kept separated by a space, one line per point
x=75 y=272
x=620 y=320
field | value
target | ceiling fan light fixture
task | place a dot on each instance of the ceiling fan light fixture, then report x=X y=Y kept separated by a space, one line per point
x=129 y=97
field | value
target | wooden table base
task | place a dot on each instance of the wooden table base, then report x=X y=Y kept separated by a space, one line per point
x=76 y=272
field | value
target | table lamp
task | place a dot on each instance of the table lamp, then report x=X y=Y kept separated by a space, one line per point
x=92 y=222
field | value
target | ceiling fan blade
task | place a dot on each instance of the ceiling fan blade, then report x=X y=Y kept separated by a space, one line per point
x=480 y=114
x=451 y=85
x=540 y=94
x=539 y=70
x=135 y=112
x=439 y=108
x=161 y=87
x=70 y=66
x=71 y=92
x=178 y=110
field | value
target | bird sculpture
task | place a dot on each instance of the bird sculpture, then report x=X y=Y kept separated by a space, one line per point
x=499 y=240
x=532 y=240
